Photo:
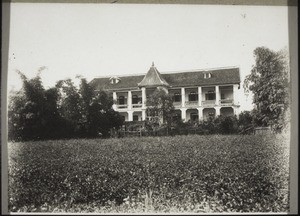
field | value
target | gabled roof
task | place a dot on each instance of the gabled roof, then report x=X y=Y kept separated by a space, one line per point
x=221 y=76
x=153 y=78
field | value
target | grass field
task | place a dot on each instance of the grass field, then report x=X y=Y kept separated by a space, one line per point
x=151 y=174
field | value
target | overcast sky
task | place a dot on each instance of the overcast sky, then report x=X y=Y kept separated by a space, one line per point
x=95 y=40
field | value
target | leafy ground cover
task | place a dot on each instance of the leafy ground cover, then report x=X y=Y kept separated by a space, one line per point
x=213 y=173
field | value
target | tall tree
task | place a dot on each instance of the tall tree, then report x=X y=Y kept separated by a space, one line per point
x=269 y=82
x=60 y=112
x=103 y=116
x=16 y=115
x=160 y=109
x=86 y=96
x=97 y=115
x=32 y=110
x=54 y=122
x=69 y=106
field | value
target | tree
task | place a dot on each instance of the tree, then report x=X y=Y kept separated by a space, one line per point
x=86 y=94
x=59 y=112
x=245 y=121
x=53 y=121
x=16 y=115
x=87 y=113
x=68 y=106
x=269 y=82
x=32 y=110
x=160 y=109
x=97 y=115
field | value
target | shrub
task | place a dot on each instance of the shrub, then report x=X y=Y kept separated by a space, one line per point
x=245 y=121
x=226 y=124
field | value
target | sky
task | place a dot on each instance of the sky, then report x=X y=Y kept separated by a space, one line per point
x=94 y=40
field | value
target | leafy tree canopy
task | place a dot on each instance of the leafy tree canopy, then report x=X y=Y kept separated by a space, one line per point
x=160 y=108
x=32 y=112
x=63 y=111
x=269 y=82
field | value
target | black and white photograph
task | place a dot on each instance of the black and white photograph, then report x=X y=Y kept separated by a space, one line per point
x=148 y=108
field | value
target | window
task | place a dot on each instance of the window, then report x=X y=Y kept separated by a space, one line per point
x=207 y=75
x=222 y=96
x=121 y=100
x=135 y=99
x=177 y=97
x=135 y=117
x=211 y=95
x=194 y=116
x=193 y=96
x=114 y=80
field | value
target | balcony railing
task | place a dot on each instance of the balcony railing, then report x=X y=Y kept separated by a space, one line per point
x=205 y=103
x=191 y=103
x=226 y=102
x=139 y=105
x=122 y=106
x=177 y=104
x=209 y=103
x=125 y=106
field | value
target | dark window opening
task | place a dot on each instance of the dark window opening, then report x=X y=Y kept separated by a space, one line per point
x=135 y=99
x=135 y=117
x=121 y=100
x=210 y=96
x=194 y=117
x=177 y=97
x=193 y=96
x=222 y=96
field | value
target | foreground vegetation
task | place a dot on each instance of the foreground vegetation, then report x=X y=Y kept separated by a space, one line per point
x=213 y=173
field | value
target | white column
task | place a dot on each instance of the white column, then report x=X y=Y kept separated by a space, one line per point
x=200 y=113
x=130 y=115
x=236 y=111
x=143 y=98
x=183 y=114
x=182 y=97
x=217 y=95
x=129 y=100
x=235 y=94
x=114 y=96
x=143 y=115
x=115 y=100
x=199 y=96
x=218 y=111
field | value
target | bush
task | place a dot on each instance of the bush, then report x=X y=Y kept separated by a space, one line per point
x=226 y=124
x=245 y=122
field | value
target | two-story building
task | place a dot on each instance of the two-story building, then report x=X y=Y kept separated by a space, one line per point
x=197 y=94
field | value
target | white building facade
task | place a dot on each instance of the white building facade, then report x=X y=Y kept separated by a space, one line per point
x=197 y=95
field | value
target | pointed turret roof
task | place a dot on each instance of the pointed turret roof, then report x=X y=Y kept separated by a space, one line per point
x=153 y=78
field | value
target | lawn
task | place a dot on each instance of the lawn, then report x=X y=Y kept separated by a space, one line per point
x=213 y=173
